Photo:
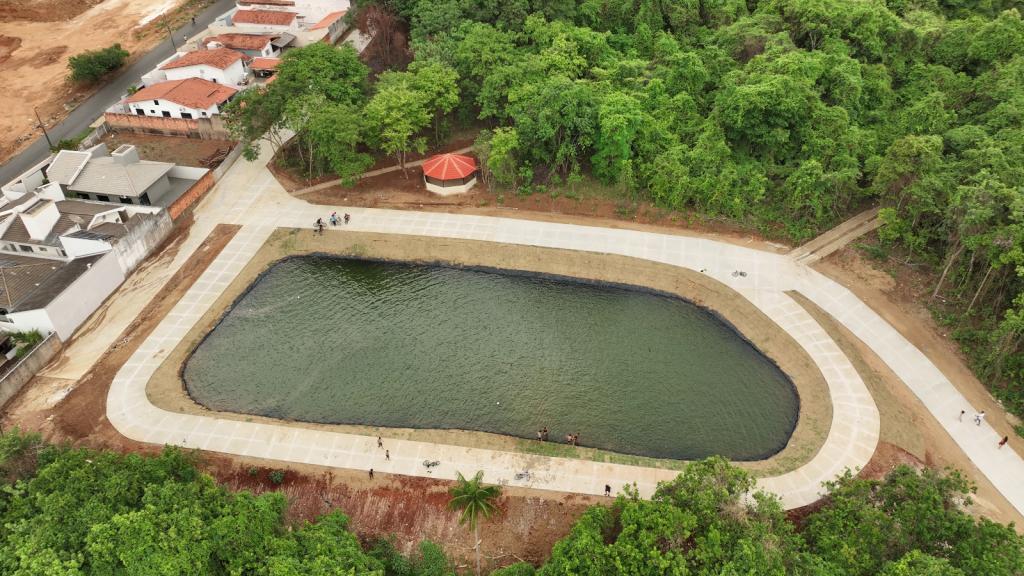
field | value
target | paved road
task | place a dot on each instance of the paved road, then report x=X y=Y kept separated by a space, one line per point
x=82 y=116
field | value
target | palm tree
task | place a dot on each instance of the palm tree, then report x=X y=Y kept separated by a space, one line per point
x=476 y=501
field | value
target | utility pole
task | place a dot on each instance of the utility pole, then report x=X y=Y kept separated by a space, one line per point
x=170 y=35
x=43 y=127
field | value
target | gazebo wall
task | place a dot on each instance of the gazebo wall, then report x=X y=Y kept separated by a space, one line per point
x=450 y=187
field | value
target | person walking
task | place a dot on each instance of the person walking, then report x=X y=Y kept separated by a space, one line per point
x=1004 y=441
x=347 y=218
x=960 y=418
x=979 y=417
x=371 y=473
x=387 y=455
x=380 y=443
x=193 y=20
x=607 y=490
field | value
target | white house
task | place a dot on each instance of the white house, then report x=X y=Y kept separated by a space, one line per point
x=219 y=65
x=253 y=45
x=189 y=98
x=309 y=10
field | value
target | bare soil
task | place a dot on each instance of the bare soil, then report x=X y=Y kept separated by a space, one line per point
x=181 y=151
x=38 y=36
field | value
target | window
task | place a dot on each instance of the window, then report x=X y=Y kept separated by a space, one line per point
x=186 y=115
x=156 y=102
x=103 y=198
x=140 y=111
x=82 y=196
x=204 y=112
x=42 y=249
x=25 y=248
x=125 y=200
x=144 y=199
x=166 y=114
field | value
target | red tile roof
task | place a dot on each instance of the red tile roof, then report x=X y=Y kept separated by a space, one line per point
x=265 y=63
x=191 y=92
x=331 y=18
x=241 y=41
x=449 y=166
x=218 y=58
x=268 y=17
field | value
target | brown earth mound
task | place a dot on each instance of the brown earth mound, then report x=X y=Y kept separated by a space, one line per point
x=8 y=44
x=44 y=10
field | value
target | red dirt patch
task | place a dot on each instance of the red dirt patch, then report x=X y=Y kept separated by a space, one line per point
x=44 y=10
x=8 y=44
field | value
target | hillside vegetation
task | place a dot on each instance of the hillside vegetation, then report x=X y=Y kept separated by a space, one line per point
x=781 y=115
x=73 y=512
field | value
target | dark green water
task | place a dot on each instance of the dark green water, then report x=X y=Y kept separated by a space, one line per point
x=321 y=339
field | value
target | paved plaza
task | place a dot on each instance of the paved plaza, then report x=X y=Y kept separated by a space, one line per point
x=251 y=197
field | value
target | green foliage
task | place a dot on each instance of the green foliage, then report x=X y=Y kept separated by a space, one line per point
x=474 y=502
x=92 y=65
x=26 y=341
x=72 y=511
x=276 y=477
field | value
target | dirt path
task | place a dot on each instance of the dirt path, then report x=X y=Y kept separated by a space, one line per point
x=372 y=173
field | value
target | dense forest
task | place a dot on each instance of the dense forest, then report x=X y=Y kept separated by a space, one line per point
x=781 y=115
x=69 y=512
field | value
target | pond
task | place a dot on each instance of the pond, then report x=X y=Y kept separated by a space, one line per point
x=330 y=340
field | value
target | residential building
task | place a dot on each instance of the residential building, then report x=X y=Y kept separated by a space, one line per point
x=264 y=67
x=219 y=65
x=252 y=45
x=265 y=20
x=59 y=259
x=189 y=98
x=331 y=26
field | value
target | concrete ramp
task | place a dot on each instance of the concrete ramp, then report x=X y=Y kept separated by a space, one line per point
x=836 y=238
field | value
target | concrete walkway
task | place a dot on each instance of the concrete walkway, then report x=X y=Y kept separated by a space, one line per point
x=251 y=196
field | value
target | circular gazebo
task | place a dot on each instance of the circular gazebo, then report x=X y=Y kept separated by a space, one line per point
x=448 y=174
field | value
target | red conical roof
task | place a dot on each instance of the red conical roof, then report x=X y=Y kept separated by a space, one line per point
x=449 y=166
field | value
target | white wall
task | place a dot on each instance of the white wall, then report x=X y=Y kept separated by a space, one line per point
x=232 y=76
x=151 y=109
x=142 y=238
x=29 y=320
x=67 y=311
x=81 y=247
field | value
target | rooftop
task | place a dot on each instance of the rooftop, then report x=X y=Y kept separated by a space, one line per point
x=30 y=283
x=110 y=177
x=191 y=92
x=66 y=165
x=265 y=63
x=449 y=166
x=220 y=58
x=241 y=41
x=265 y=17
x=266 y=3
x=331 y=18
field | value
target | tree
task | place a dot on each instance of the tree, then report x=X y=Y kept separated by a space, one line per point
x=394 y=117
x=92 y=65
x=474 y=501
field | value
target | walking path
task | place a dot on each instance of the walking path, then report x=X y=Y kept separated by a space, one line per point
x=250 y=196
x=372 y=173
x=836 y=238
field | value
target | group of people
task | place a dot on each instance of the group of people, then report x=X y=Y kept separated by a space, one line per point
x=978 y=418
x=573 y=439
x=334 y=219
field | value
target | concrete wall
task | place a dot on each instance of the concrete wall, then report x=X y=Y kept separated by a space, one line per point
x=186 y=200
x=232 y=76
x=28 y=320
x=156 y=109
x=229 y=160
x=28 y=366
x=144 y=235
x=94 y=137
x=68 y=310
x=204 y=128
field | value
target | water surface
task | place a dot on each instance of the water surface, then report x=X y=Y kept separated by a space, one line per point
x=322 y=339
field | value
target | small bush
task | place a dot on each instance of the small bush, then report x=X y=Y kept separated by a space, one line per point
x=276 y=477
x=517 y=569
x=253 y=471
x=26 y=341
x=92 y=65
